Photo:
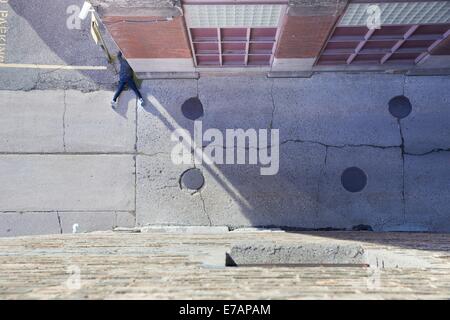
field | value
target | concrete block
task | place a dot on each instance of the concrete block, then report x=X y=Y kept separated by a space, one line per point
x=32 y=121
x=309 y=253
x=83 y=222
x=13 y=224
x=66 y=182
x=427 y=191
x=236 y=102
x=160 y=200
x=238 y=195
x=125 y=219
x=378 y=205
x=338 y=109
x=427 y=127
x=91 y=125
x=185 y=229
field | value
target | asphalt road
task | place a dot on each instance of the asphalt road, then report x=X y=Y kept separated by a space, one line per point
x=49 y=33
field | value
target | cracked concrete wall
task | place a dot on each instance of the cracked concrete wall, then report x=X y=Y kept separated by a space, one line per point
x=327 y=124
x=69 y=159
x=65 y=159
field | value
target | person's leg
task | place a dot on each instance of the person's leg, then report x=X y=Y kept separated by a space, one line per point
x=133 y=87
x=119 y=90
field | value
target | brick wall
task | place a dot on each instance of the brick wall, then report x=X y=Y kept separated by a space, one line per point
x=303 y=37
x=149 y=40
x=170 y=266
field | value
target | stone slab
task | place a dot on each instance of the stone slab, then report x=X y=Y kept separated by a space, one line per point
x=428 y=125
x=185 y=229
x=94 y=221
x=66 y=182
x=162 y=114
x=239 y=196
x=13 y=224
x=338 y=109
x=91 y=125
x=159 y=198
x=378 y=205
x=427 y=192
x=31 y=121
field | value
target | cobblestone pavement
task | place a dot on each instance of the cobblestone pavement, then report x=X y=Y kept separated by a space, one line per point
x=184 y=266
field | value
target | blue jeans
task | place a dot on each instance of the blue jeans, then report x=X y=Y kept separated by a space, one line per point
x=131 y=84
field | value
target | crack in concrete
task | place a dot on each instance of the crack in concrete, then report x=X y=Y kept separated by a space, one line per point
x=204 y=207
x=321 y=174
x=437 y=150
x=274 y=107
x=199 y=192
x=59 y=222
x=64 y=121
x=341 y=146
x=198 y=91
x=402 y=148
x=404 y=84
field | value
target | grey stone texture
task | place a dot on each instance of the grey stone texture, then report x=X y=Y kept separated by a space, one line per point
x=104 y=168
x=94 y=221
x=428 y=126
x=236 y=102
x=159 y=197
x=260 y=253
x=427 y=195
x=31 y=122
x=185 y=229
x=13 y=224
x=66 y=182
x=379 y=204
x=162 y=114
x=288 y=198
x=337 y=109
x=92 y=126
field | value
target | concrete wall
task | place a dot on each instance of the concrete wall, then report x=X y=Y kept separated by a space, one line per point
x=327 y=123
x=65 y=159
x=69 y=159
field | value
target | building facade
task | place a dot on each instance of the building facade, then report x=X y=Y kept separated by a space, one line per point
x=280 y=36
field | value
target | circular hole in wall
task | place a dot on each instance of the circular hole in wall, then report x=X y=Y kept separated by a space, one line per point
x=400 y=107
x=192 y=108
x=354 y=179
x=192 y=179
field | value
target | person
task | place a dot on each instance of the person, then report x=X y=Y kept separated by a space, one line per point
x=126 y=78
